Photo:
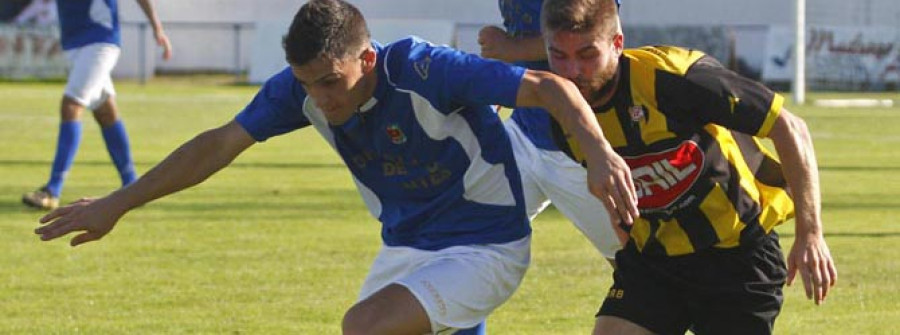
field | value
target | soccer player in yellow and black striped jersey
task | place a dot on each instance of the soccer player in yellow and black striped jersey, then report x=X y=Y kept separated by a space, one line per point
x=703 y=253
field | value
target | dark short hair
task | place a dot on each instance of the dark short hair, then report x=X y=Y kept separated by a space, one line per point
x=580 y=16
x=329 y=28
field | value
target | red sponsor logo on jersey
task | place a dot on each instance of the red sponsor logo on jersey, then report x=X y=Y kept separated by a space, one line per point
x=661 y=178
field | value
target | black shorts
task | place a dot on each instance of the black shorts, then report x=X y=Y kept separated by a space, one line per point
x=715 y=291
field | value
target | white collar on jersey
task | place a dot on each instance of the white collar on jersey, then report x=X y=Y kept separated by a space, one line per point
x=367 y=106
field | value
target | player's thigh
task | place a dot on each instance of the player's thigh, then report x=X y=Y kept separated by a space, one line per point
x=740 y=316
x=527 y=155
x=753 y=299
x=618 y=326
x=390 y=265
x=459 y=291
x=89 y=81
x=564 y=182
x=391 y=310
x=458 y=286
x=106 y=113
x=644 y=295
x=380 y=288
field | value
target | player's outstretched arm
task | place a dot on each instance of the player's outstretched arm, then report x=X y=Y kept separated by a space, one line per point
x=609 y=177
x=158 y=33
x=188 y=165
x=809 y=255
x=497 y=44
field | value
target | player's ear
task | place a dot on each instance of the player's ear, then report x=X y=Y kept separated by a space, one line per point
x=619 y=43
x=368 y=57
x=619 y=38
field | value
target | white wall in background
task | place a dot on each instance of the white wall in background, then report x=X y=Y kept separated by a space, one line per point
x=214 y=49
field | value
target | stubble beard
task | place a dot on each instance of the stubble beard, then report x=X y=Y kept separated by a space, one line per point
x=606 y=84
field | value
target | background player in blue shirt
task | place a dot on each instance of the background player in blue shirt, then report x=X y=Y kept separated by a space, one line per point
x=413 y=123
x=548 y=175
x=91 y=40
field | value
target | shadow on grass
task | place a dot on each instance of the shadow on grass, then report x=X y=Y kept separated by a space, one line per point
x=230 y=207
x=859 y=168
x=853 y=235
x=15 y=206
x=264 y=165
x=305 y=165
x=257 y=202
x=223 y=213
x=860 y=205
x=212 y=211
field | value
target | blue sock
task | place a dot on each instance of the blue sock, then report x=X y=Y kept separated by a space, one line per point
x=120 y=151
x=480 y=329
x=66 y=147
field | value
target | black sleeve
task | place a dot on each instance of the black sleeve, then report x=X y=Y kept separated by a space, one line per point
x=710 y=93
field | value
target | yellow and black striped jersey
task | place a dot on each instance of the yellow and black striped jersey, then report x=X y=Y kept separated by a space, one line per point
x=688 y=129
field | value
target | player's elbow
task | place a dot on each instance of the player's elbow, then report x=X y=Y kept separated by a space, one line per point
x=541 y=88
x=787 y=126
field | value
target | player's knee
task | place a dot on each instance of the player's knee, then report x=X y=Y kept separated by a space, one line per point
x=105 y=118
x=71 y=109
x=615 y=325
x=360 y=319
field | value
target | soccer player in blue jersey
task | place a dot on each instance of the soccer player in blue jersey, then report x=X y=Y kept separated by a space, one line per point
x=413 y=123
x=704 y=254
x=90 y=39
x=548 y=175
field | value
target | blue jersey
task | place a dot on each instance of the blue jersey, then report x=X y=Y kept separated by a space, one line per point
x=522 y=18
x=427 y=152
x=84 y=22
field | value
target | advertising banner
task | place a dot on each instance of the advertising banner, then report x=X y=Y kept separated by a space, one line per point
x=837 y=58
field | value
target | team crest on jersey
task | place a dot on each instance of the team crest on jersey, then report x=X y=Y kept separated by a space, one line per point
x=396 y=134
x=637 y=113
x=422 y=67
x=662 y=178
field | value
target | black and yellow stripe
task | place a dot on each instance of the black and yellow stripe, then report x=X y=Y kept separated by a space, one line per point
x=684 y=95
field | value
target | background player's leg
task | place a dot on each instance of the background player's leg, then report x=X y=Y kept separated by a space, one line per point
x=526 y=155
x=66 y=144
x=391 y=310
x=562 y=179
x=69 y=137
x=116 y=139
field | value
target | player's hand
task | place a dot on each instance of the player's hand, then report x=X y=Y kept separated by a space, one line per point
x=810 y=256
x=92 y=216
x=163 y=41
x=609 y=179
x=494 y=42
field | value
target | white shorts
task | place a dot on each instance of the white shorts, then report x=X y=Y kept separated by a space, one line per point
x=458 y=286
x=551 y=176
x=90 y=83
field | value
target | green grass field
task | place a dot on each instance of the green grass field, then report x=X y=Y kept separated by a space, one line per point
x=279 y=242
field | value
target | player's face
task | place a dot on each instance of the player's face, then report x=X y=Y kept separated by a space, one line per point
x=587 y=59
x=335 y=86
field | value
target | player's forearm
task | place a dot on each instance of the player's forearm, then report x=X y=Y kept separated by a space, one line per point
x=150 y=12
x=795 y=149
x=190 y=164
x=564 y=102
x=528 y=49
